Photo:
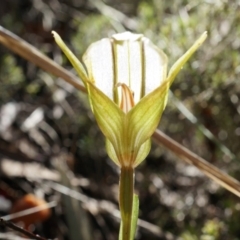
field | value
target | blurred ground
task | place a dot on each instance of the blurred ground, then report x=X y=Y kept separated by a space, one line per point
x=50 y=143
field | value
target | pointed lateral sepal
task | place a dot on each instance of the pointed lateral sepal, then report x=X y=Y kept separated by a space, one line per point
x=72 y=58
x=177 y=66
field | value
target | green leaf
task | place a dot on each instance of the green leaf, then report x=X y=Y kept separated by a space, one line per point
x=120 y=236
x=134 y=219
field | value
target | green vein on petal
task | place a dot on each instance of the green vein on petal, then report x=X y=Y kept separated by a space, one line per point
x=112 y=152
x=142 y=153
x=108 y=115
x=143 y=119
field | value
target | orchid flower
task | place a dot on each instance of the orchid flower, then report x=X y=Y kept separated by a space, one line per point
x=127 y=83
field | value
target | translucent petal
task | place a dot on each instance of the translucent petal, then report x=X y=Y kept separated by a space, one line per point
x=129 y=59
x=139 y=64
x=100 y=65
x=155 y=66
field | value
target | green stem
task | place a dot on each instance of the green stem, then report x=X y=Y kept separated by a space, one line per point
x=126 y=189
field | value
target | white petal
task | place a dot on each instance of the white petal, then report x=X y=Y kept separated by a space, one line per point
x=129 y=59
x=128 y=65
x=155 y=66
x=99 y=62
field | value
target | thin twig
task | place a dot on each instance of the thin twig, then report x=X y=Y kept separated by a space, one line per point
x=29 y=211
x=21 y=230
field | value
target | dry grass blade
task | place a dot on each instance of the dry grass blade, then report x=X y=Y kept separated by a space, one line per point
x=223 y=179
x=27 y=51
x=30 y=53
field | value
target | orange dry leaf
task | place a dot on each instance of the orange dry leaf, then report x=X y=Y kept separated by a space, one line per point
x=30 y=201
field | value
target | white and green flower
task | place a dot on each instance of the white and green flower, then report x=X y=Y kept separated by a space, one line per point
x=127 y=82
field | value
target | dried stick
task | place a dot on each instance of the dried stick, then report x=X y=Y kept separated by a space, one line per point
x=223 y=179
x=32 y=54
x=20 y=230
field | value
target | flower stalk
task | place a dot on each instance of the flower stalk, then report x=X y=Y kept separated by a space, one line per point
x=126 y=194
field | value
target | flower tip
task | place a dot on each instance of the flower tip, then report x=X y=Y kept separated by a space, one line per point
x=204 y=36
x=200 y=41
x=58 y=40
x=125 y=36
x=55 y=35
